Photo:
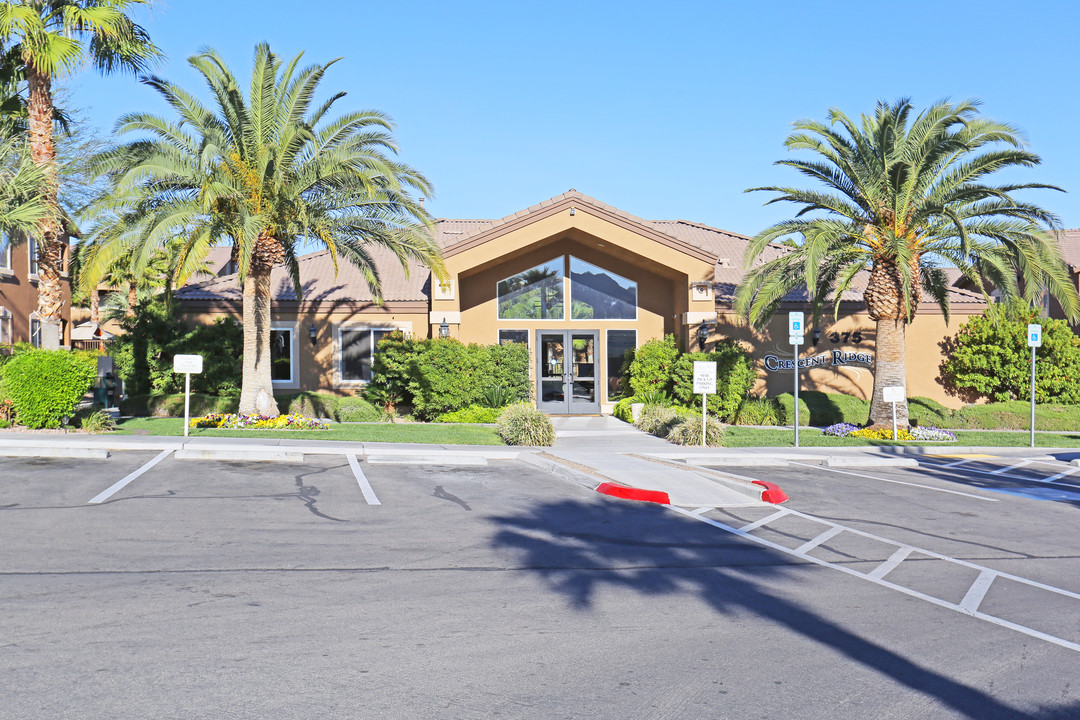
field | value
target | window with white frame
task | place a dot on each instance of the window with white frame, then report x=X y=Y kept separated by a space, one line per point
x=7 y=332
x=32 y=253
x=5 y=251
x=356 y=346
x=35 y=332
x=281 y=355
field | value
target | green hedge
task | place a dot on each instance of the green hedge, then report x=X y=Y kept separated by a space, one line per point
x=441 y=375
x=735 y=376
x=308 y=404
x=471 y=414
x=172 y=405
x=46 y=385
x=355 y=409
x=652 y=364
x=787 y=404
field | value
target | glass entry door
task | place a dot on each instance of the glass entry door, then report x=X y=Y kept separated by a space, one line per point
x=566 y=371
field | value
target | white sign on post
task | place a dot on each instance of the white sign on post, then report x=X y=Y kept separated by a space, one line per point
x=704 y=383
x=1034 y=335
x=187 y=364
x=796 y=324
x=704 y=377
x=894 y=394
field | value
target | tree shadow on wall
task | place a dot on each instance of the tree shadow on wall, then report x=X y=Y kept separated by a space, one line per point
x=580 y=547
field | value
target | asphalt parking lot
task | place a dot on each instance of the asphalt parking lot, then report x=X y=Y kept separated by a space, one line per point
x=216 y=589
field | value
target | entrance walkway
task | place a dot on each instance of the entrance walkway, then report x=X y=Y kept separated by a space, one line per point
x=609 y=449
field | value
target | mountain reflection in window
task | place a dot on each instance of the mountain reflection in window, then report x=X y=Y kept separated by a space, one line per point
x=598 y=294
x=535 y=294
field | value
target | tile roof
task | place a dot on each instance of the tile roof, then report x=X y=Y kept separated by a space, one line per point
x=317 y=275
x=1069 y=242
x=319 y=282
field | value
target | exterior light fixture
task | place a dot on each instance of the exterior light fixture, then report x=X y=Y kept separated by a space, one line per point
x=573 y=211
x=444 y=329
x=702 y=335
x=312 y=333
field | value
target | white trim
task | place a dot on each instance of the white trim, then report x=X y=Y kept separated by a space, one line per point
x=293 y=338
x=5 y=255
x=6 y=318
x=696 y=317
x=452 y=317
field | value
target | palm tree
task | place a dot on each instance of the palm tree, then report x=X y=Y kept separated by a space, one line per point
x=902 y=197
x=53 y=38
x=264 y=171
x=21 y=204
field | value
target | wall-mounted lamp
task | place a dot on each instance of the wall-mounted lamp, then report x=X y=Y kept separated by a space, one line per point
x=444 y=329
x=816 y=336
x=312 y=333
x=702 y=335
x=573 y=211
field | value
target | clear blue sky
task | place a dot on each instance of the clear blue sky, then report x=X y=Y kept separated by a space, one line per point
x=664 y=109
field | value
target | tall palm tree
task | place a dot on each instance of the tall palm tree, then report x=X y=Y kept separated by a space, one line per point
x=21 y=204
x=53 y=38
x=903 y=195
x=265 y=170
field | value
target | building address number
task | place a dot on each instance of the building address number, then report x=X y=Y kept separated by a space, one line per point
x=837 y=337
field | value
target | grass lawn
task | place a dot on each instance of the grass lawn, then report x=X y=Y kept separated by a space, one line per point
x=444 y=434
x=746 y=436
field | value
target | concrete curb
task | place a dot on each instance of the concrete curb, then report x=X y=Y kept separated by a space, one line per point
x=56 y=452
x=247 y=455
x=869 y=461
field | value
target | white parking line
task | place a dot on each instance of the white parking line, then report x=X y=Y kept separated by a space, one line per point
x=1055 y=479
x=968 y=606
x=118 y=486
x=362 y=481
x=999 y=471
x=896 y=482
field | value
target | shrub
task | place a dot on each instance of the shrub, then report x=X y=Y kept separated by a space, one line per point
x=687 y=431
x=46 y=385
x=510 y=370
x=524 y=424
x=4 y=424
x=735 y=375
x=498 y=396
x=655 y=396
x=94 y=419
x=830 y=408
x=989 y=357
x=622 y=409
x=657 y=419
x=355 y=409
x=447 y=375
x=924 y=411
x=471 y=414
x=173 y=405
x=309 y=404
x=759 y=411
x=652 y=365
x=787 y=404
x=390 y=366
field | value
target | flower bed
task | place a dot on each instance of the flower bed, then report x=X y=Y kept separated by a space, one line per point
x=921 y=434
x=258 y=422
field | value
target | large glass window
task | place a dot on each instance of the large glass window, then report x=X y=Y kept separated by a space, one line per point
x=356 y=346
x=281 y=355
x=5 y=252
x=536 y=294
x=598 y=294
x=620 y=344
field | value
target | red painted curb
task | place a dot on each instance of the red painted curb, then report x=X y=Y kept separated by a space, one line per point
x=629 y=493
x=773 y=493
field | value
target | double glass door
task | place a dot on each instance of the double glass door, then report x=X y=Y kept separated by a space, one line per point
x=567 y=369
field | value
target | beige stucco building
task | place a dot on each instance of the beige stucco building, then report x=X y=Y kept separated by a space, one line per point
x=580 y=282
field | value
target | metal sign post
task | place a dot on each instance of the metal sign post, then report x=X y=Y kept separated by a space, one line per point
x=187 y=364
x=704 y=383
x=796 y=330
x=1034 y=340
x=893 y=394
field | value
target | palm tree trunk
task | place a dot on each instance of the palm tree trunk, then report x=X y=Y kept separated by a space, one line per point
x=95 y=306
x=133 y=298
x=51 y=238
x=257 y=388
x=889 y=371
